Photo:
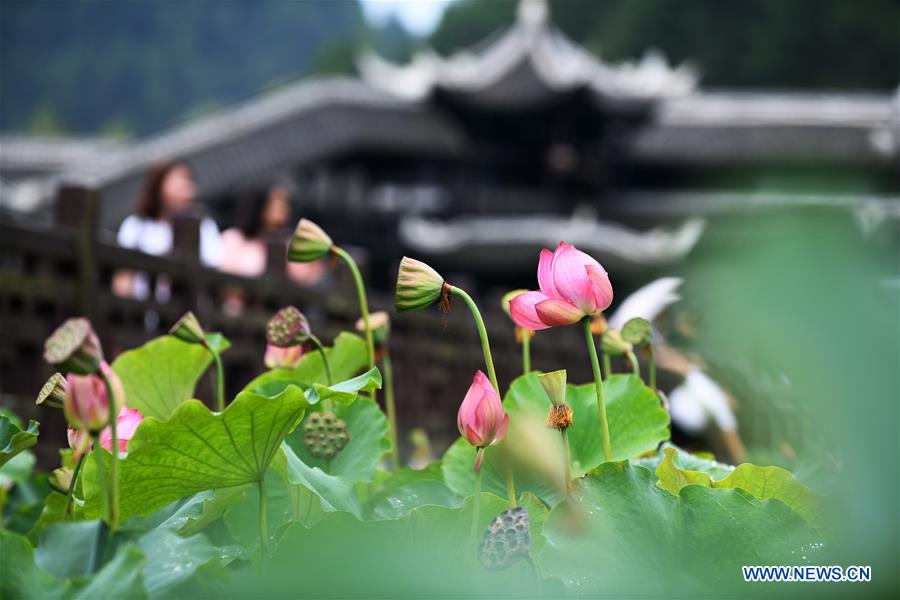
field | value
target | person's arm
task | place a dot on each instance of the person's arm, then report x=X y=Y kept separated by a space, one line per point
x=210 y=243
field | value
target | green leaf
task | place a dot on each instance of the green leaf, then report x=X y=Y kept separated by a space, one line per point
x=201 y=509
x=122 y=577
x=760 y=482
x=369 y=442
x=20 y=576
x=163 y=373
x=637 y=424
x=199 y=450
x=694 y=462
x=622 y=535
x=172 y=560
x=345 y=391
x=71 y=549
x=346 y=358
x=335 y=494
x=14 y=439
x=406 y=489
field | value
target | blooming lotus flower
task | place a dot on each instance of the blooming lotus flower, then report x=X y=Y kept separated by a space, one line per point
x=282 y=358
x=481 y=419
x=87 y=403
x=572 y=285
x=126 y=424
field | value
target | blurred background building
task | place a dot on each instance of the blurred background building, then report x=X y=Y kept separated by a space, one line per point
x=627 y=128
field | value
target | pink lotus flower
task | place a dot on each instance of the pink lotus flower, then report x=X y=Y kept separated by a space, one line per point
x=87 y=403
x=481 y=419
x=572 y=285
x=282 y=358
x=126 y=424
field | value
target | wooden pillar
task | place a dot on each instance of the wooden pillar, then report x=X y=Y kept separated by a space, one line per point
x=76 y=208
x=186 y=247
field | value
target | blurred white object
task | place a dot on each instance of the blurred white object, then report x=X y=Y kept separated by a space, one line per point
x=648 y=302
x=697 y=401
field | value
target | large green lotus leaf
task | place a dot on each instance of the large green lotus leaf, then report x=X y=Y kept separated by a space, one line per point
x=14 y=439
x=308 y=484
x=163 y=373
x=419 y=555
x=172 y=560
x=397 y=493
x=760 y=482
x=198 y=450
x=71 y=549
x=623 y=535
x=122 y=577
x=201 y=509
x=346 y=358
x=694 y=462
x=637 y=424
x=20 y=575
x=369 y=442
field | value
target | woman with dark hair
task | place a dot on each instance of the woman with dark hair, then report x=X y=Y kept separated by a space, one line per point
x=168 y=191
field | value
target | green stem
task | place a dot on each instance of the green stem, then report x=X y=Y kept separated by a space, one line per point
x=482 y=332
x=390 y=406
x=492 y=375
x=101 y=476
x=114 y=451
x=607 y=365
x=476 y=509
x=363 y=303
x=635 y=365
x=526 y=351
x=263 y=523
x=70 y=496
x=220 y=380
x=567 y=458
x=651 y=366
x=318 y=344
x=598 y=384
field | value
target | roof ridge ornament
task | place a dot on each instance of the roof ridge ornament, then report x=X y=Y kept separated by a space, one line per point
x=533 y=13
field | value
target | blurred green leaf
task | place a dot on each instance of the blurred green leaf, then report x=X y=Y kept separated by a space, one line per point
x=688 y=460
x=14 y=439
x=335 y=494
x=163 y=373
x=20 y=576
x=71 y=549
x=172 y=560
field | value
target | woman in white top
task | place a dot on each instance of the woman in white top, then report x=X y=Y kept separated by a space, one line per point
x=168 y=190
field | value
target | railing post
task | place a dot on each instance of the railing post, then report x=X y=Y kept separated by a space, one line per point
x=186 y=247
x=76 y=207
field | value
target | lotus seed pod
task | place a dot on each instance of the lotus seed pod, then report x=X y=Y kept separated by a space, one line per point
x=53 y=392
x=613 y=344
x=188 y=329
x=380 y=323
x=559 y=417
x=507 y=539
x=288 y=327
x=74 y=348
x=418 y=285
x=309 y=243
x=60 y=479
x=324 y=435
x=554 y=383
x=636 y=331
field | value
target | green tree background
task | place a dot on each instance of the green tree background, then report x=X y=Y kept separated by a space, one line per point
x=132 y=68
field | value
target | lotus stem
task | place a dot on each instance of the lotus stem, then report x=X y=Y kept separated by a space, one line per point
x=363 y=303
x=263 y=522
x=598 y=383
x=101 y=477
x=318 y=344
x=114 y=451
x=635 y=365
x=526 y=351
x=567 y=458
x=607 y=365
x=651 y=366
x=390 y=406
x=476 y=509
x=220 y=379
x=70 y=496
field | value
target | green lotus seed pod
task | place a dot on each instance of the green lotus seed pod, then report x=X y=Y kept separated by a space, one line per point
x=636 y=331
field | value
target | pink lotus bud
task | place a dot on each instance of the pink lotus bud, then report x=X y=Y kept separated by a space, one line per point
x=309 y=242
x=188 y=329
x=572 y=285
x=126 y=424
x=74 y=348
x=79 y=441
x=418 y=285
x=481 y=419
x=287 y=327
x=87 y=403
x=283 y=358
x=53 y=392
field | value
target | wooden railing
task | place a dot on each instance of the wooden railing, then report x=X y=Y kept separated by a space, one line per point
x=51 y=272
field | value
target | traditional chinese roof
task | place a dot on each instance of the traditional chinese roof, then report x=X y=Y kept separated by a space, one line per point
x=526 y=65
